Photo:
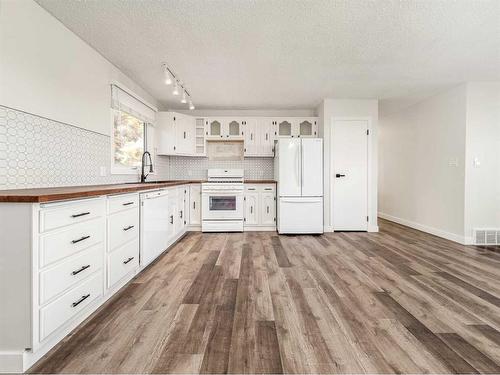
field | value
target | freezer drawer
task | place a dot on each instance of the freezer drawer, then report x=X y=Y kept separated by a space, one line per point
x=300 y=215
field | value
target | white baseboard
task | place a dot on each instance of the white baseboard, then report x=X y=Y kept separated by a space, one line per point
x=424 y=228
x=11 y=362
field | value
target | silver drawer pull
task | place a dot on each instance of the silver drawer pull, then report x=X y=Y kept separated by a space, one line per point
x=128 y=228
x=80 y=239
x=128 y=260
x=80 y=270
x=79 y=215
x=180 y=214
x=268 y=188
x=74 y=304
x=128 y=203
x=171 y=219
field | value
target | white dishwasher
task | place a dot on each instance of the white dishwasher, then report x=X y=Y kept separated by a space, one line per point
x=154 y=225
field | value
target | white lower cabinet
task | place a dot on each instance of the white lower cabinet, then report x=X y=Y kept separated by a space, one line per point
x=123 y=239
x=260 y=207
x=195 y=204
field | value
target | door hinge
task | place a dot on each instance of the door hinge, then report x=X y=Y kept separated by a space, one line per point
x=367 y=131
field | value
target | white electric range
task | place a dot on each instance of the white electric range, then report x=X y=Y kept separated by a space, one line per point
x=222 y=201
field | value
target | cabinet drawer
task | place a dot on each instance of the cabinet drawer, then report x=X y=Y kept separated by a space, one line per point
x=267 y=188
x=60 y=244
x=57 y=216
x=122 y=261
x=119 y=203
x=70 y=272
x=58 y=312
x=123 y=227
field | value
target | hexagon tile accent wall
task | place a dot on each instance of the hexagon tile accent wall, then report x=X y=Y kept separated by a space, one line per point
x=37 y=152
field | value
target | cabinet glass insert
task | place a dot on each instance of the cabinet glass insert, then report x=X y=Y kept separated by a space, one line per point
x=285 y=128
x=305 y=128
x=222 y=203
x=234 y=128
x=215 y=128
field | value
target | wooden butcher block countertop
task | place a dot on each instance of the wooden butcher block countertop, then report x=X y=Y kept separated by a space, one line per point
x=42 y=195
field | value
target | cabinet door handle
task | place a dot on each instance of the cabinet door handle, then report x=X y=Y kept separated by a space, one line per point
x=180 y=214
x=184 y=135
x=171 y=219
x=128 y=260
x=267 y=209
x=251 y=209
x=74 y=304
x=128 y=228
x=251 y=136
x=127 y=204
x=80 y=239
x=267 y=136
x=194 y=205
x=80 y=270
x=79 y=215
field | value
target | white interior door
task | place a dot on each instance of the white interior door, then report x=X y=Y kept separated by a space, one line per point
x=289 y=171
x=350 y=175
x=312 y=167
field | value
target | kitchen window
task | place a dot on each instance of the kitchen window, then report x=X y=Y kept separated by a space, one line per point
x=131 y=131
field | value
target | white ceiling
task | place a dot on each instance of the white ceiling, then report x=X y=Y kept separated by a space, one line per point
x=288 y=54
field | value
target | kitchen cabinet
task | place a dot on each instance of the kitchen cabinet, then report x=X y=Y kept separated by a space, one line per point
x=259 y=137
x=195 y=204
x=122 y=259
x=260 y=207
x=251 y=206
x=268 y=207
x=307 y=127
x=226 y=128
x=178 y=134
x=66 y=258
x=297 y=127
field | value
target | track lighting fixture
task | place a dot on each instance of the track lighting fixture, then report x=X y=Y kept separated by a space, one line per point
x=176 y=89
x=169 y=78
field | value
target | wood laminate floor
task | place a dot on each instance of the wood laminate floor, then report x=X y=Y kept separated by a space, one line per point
x=398 y=301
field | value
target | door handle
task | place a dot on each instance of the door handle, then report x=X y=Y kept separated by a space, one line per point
x=338 y=175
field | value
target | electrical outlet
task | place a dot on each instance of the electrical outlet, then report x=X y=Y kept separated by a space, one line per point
x=102 y=171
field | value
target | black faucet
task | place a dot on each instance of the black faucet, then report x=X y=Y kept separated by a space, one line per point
x=143 y=176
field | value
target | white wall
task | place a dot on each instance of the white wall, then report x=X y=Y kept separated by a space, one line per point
x=327 y=111
x=48 y=71
x=251 y=112
x=482 y=183
x=419 y=183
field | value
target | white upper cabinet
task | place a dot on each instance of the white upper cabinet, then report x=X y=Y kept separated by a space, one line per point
x=307 y=127
x=259 y=136
x=165 y=133
x=224 y=128
x=286 y=127
x=297 y=127
x=178 y=134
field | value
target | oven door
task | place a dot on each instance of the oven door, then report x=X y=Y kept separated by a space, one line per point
x=222 y=205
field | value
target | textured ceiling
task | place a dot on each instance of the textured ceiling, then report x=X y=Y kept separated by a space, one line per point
x=291 y=54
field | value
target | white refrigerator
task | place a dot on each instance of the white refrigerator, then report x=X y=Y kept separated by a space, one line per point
x=298 y=170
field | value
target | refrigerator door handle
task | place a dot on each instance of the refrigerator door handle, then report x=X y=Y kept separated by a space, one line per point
x=297 y=167
x=301 y=168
